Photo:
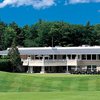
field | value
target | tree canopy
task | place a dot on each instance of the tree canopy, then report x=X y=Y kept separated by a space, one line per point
x=43 y=33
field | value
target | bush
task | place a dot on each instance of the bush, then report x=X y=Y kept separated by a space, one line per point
x=5 y=65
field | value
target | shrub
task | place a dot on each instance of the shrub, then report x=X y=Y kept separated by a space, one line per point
x=5 y=65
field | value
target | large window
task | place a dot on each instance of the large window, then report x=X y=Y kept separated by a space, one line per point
x=99 y=57
x=88 y=57
x=50 y=56
x=39 y=57
x=64 y=56
x=59 y=57
x=93 y=57
x=69 y=56
x=83 y=57
x=73 y=56
x=32 y=56
x=55 y=56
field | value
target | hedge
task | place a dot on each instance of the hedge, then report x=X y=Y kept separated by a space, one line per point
x=5 y=65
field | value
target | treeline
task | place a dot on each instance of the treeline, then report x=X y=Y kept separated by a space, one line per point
x=45 y=33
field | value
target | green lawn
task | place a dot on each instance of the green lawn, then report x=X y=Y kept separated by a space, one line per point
x=83 y=95
x=49 y=87
x=48 y=82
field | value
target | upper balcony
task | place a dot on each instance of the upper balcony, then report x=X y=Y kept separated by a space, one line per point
x=67 y=62
x=49 y=62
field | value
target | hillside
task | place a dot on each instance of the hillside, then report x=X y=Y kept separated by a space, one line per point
x=11 y=82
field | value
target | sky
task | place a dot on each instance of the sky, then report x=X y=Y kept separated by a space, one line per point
x=30 y=11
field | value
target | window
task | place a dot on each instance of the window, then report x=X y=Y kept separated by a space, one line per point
x=69 y=56
x=36 y=57
x=59 y=56
x=83 y=57
x=89 y=68
x=55 y=56
x=73 y=56
x=64 y=56
x=98 y=57
x=93 y=57
x=88 y=57
x=94 y=67
x=50 y=56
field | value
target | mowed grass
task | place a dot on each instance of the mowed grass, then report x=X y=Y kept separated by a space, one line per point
x=83 y=95
x=15 y=86
x=10 y=82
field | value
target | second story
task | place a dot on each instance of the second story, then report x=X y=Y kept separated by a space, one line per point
x=54 y=56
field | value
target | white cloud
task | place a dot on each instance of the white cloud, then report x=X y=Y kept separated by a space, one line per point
x=80 y=1
x=35 y=3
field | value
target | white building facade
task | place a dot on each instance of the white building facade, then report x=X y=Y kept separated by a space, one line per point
x=59 y=59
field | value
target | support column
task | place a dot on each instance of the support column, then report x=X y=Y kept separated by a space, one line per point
x=98 y=68
x=66 y=69
x=96 y=57
x=71 y=57
x=85 y=68
x=91 y=57
x=43 y=67
x=42 y=70
x=80 y=56
x=53 y=57
x=30 y=69
x=91 y=68
x=75 y=68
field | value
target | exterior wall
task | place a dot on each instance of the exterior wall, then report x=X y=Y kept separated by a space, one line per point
x=72 y=62
x=55 y=62
x=88 y=62
x=23 y=56
x=35 y=63
x=45 y=63
x=60 y=62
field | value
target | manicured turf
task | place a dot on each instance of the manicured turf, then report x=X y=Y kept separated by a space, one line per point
x=83 y=95
x=49 y=87
x=48 y=82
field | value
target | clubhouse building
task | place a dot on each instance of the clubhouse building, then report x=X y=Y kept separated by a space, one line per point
x=59 y=59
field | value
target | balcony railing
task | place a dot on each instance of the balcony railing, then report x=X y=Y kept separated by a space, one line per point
x=50 y=62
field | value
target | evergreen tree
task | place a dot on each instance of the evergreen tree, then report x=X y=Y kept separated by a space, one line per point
x=15 y=59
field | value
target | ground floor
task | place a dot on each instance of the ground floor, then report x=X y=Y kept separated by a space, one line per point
x=62 y=69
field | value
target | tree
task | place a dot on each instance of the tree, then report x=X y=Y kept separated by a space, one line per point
x=8 y=36
x=89 y=36
x=2 y=28
x=42 y=28
x=15 y=59
x=27 y=40
x=97 y=30
x=19 y=33
x=56 y=33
